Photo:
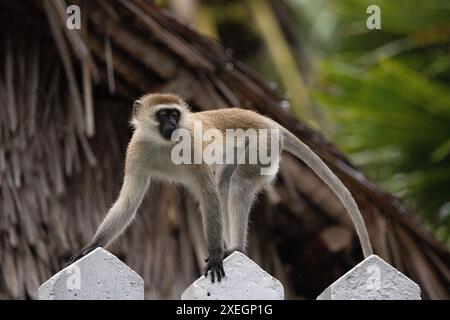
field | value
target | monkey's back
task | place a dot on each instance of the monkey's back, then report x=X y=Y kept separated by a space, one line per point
x=234 y=118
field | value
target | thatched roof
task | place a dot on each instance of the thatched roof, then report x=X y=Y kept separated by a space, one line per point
x=65 y=104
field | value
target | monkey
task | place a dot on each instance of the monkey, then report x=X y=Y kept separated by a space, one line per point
x=225 y=192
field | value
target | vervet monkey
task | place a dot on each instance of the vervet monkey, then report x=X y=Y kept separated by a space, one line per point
x=225 y=192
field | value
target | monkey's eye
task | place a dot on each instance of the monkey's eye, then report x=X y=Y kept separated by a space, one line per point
x=162 y=113
x=176 y=114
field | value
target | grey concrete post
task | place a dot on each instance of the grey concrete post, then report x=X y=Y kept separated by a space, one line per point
x=244 y=280
x=97 y=276
x=372 y=279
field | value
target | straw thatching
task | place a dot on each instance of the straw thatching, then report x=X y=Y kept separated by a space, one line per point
x=65 y=99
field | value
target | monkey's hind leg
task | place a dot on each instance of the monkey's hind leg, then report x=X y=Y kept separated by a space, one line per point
x=246 y=182
x=223 y=179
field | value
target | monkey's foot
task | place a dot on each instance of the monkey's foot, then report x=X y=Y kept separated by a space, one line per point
x=82 y=253
x=215 y=265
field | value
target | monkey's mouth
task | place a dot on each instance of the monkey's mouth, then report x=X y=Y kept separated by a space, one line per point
x=167 y=132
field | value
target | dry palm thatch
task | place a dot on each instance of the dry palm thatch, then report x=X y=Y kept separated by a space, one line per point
x=65 y=100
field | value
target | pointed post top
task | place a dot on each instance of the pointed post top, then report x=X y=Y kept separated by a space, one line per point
x=99 y=275
x=244 y=280
x=372 y=279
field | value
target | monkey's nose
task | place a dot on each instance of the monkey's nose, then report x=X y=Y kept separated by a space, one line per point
x=167 y=133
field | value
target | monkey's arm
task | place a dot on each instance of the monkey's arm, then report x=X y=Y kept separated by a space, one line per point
x=206 y=191
x=124 y=209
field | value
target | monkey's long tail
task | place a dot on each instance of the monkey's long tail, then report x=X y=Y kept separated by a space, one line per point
x=304 y=153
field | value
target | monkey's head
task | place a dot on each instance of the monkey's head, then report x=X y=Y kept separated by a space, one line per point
x=159 y=114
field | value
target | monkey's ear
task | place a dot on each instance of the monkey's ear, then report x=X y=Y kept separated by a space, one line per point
x=136 y=105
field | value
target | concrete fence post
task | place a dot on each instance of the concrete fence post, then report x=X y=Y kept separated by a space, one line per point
x=101 y=276
x=244 y=280
x=372 y=279
x=97 y=276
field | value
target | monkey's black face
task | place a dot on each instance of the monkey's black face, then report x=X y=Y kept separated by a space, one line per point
x=168 y=121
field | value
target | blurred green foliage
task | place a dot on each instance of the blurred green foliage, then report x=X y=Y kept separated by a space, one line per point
x=382 y=96
x=386 y=96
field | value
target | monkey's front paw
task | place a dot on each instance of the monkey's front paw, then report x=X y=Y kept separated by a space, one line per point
x=82 y=253
x=215 y=265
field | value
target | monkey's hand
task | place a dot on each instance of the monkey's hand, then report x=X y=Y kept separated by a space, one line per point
x=82 y=253
x=214 y=263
